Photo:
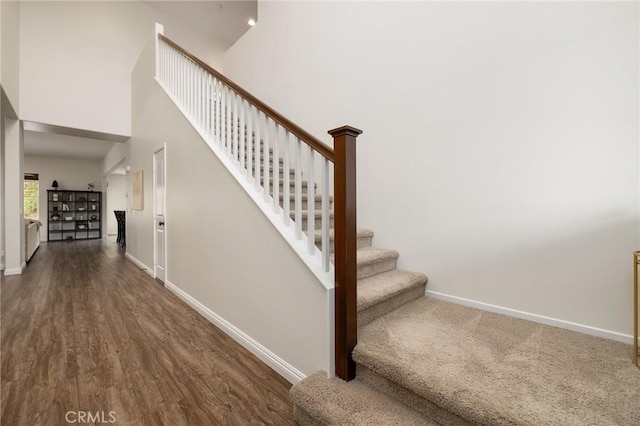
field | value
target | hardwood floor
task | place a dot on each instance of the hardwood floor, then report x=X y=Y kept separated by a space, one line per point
x=88 y=336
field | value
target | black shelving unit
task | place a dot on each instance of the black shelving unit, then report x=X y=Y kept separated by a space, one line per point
x=73 y=215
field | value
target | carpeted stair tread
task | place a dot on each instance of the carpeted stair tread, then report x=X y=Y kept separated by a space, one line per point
x=370 y=255
x=335 y=402
x=372 y=261
x=492 y=369
x=377 y=288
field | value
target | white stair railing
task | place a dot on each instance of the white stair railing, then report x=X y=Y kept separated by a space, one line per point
x=288 y=178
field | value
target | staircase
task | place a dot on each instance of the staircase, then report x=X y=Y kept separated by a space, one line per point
x=419 y=361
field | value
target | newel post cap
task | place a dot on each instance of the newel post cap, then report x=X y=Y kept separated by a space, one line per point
x=345 y=130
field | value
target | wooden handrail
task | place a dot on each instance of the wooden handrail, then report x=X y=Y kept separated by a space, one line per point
x=307 y=137
x=344 y=206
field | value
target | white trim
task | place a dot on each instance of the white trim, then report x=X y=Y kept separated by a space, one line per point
x=285 y=369
x=331 y=332
x=16 y=271
x=139 y=264
x=541 y=319
x=162 y=148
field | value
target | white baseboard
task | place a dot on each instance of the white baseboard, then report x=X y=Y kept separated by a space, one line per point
x=541 y=319
x=16 y=271
x=139 y=264
x=285 y=369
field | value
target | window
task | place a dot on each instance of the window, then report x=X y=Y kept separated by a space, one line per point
x=31 y=191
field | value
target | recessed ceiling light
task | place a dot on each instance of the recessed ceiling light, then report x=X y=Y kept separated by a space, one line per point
x=251 y=22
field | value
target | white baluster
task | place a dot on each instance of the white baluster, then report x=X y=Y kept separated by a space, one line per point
x=236 y=125
x=164 y=62
x=249 y=148
x=242 y=131
x=207 y=105
x=232 y=129
x=159 y=60
x=229 y=134
x=192 y=90
x=183 y=82
x=218 y=106
x=172 y=72
x=212 y=106
x=193 y=87
x=196 y=95
x=223 y=117
x=311 y=206
x=201 y=103
x=276 y=167
x=326 y=173
x=256 y=147
x=180 y=79
x=187 y=87
x=286 y=189
x=265 y=158
x=222 y=114
x=298 y=189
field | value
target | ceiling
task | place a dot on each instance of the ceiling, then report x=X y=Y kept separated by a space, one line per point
x=57 y=145
x=226 y=20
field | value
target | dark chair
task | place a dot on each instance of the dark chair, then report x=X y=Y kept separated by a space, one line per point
x=120 y=217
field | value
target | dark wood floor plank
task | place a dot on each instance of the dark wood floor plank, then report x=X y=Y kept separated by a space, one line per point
x=83 y=329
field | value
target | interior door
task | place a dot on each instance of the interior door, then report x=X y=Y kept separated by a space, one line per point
x=159 y=216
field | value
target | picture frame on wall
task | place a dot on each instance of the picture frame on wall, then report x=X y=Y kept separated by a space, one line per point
x=138 y=190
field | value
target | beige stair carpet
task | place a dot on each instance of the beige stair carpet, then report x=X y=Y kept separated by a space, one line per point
x=323 y=401
x=497 y=370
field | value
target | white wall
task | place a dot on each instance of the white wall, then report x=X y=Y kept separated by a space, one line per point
x=116 y=199
x=13 y=196
x=2 y=196
x=222 y=251
x=114 y=157
x=9 y=51
x=500 y=146
x=71 y=173
x=76 y=59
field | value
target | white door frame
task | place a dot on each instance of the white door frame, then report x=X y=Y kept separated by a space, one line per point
x=162 y=148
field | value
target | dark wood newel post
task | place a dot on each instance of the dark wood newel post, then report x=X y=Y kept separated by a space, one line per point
x=346 y=322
